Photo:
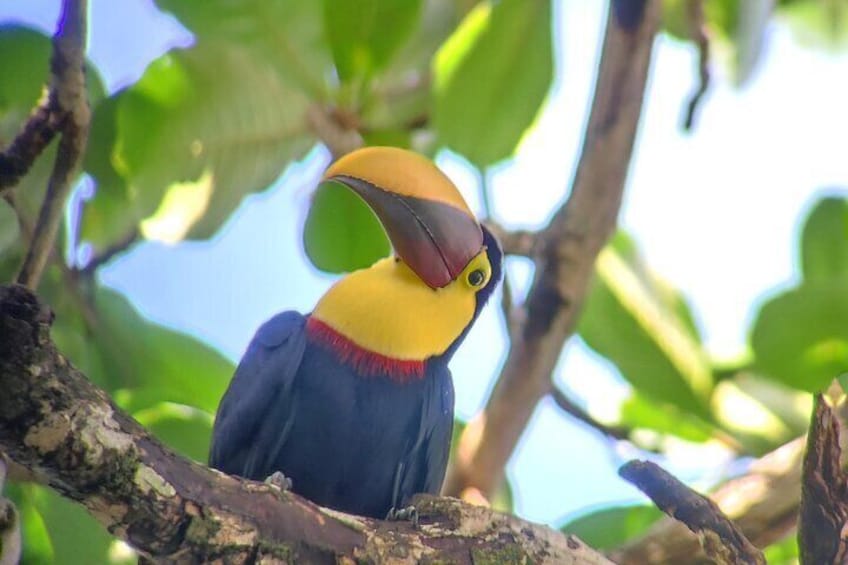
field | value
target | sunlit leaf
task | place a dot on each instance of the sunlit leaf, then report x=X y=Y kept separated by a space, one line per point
x=641 y=413
x=824 y=241
x=341 y=233
x=213 y=112
x=611 y=527
x=491 y=77
x=800 y=337
x=644 y=328
x=364 y=34
x=399 y=97
x=817 y=23
x=784 y=552
x=287 y=34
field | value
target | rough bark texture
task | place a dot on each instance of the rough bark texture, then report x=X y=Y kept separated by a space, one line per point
x=763 y=503
x=68 y=432
x=720 y=538
x=824 y=493
x=566 y=251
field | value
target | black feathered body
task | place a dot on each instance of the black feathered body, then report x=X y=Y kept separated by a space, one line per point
x=360 y=443
x=353 y=430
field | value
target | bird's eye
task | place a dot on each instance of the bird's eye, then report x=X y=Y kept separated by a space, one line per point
x=476 y=277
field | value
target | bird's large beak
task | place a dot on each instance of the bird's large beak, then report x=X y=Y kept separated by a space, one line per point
x=430 y=226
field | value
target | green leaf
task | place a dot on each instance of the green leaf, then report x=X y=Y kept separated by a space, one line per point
x=817 y=24
x=287 y=34
x=491 y=76
x=611 y=527
x=54 y=526
x=341 y=233
x=199 y=131
x=644 y=327
x=35 y=539
x=639 y=412
x=784 y=552
x=138 y=354
x=364 y=34
x=399 y=97
x=824 y=241
x=181 y=427
x=800 y=337
x=111 y=214
x=9 y=229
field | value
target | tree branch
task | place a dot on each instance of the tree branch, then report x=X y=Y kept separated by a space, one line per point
x=69 y=433
x=566 y=252
x=824 y=492
x=698 y=31
x=763 y=503
x=69 y=107
x=722 y=541
x=574 y=410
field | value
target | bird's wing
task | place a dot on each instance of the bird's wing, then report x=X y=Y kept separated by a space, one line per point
x=260 y=391
x=423 y=470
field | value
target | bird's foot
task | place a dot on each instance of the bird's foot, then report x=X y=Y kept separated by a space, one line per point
x=279 y=480
x=407 y=514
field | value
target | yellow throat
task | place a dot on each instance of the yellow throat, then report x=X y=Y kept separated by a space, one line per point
x=387 y=309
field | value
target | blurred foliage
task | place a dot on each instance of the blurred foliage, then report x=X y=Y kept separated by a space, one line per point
x=610 y=527
x=173 y=154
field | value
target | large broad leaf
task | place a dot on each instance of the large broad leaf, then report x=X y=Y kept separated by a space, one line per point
x=824 y=241
x=399 y=97
x=491 y=77
x=138 y=354
x=646 y=330
x=364 y=34
x=817 y=23
x=611 y=527
x=641 y=413
x=288 y=34
x=200 y=130
x=800 y=337
x=183 y=428
x=57 y=530
x=341 y=233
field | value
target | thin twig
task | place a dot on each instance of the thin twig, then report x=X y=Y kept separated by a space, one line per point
x=338 y=138
x=570 y=407
x=698 y=31
x=564 y=254
x=722 y=540
x=521 y=243
x=110 y=252
x=36 y=134
x=67 y=95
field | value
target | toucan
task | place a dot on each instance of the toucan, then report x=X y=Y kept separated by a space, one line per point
x=353 y=402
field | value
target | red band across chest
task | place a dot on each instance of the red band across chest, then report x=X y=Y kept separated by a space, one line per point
x=363 y=361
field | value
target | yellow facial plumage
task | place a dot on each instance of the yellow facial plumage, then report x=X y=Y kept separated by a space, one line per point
x=386 y=308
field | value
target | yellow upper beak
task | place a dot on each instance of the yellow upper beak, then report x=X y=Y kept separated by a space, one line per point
x=425 y=217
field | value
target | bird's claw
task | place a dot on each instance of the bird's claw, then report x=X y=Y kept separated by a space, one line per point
x=279 y=480
x=409 y=513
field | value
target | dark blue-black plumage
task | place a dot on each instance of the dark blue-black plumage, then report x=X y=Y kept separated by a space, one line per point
x=359 y=443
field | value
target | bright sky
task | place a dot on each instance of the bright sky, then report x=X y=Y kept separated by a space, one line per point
x=715 y=214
